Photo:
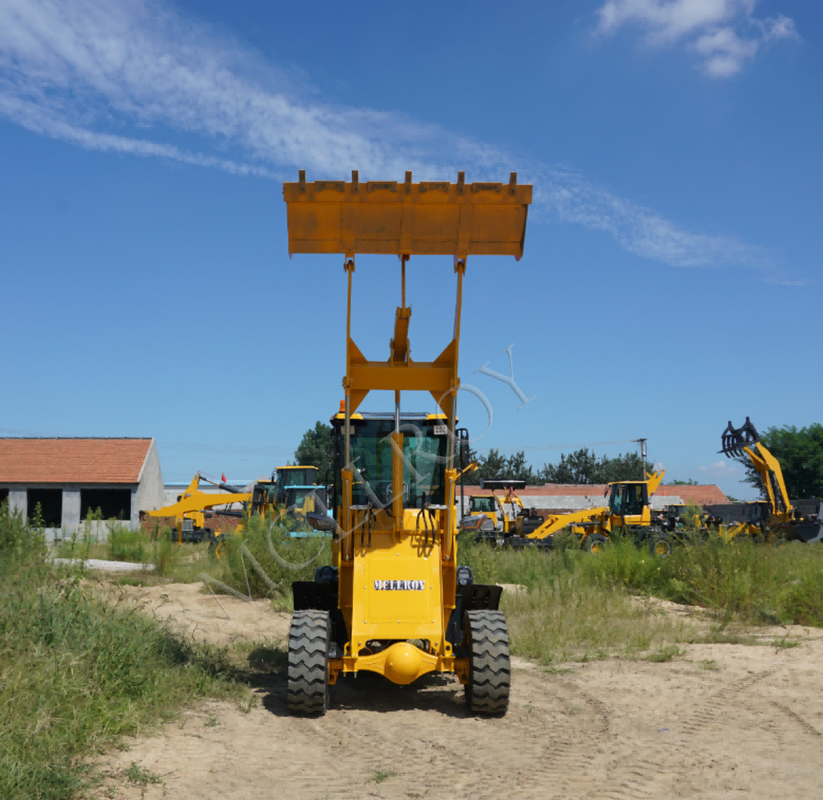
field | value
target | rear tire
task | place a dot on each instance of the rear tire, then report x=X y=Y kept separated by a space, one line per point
x=308 y=687
x=487 y=641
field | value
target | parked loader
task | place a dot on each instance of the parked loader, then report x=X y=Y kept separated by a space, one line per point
x=298 y=494
x=395 y=601
x=629 y=508
x=774 y=519
x=191 y=510
x=285 y=493
x=503 y=516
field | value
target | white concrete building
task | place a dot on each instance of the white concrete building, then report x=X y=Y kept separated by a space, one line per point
x=68 y=478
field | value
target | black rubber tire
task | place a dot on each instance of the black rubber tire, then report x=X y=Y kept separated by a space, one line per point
x=219 y=547
x=308 y=686
x=594 y=543
x=487 y=642
x=660 y=546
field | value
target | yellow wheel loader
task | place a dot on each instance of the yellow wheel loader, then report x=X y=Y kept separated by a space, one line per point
x=290 y=494
x=396 y=602
x=774 y=519
x=190 y=512
x=498 y=517
x=629 y=509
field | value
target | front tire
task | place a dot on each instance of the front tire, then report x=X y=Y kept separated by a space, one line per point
x=660 y=546
x=487 y=641
x=595 y=543
x=309 y=640
x=219 y=547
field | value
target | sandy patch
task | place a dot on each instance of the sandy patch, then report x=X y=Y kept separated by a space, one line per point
x=722 y=721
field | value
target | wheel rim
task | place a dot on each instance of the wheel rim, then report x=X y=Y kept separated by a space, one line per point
x=596 y=547
x=661 y=548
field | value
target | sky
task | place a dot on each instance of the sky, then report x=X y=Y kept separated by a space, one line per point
x=671 y=275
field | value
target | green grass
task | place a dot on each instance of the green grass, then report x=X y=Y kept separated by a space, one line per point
x=381 y=775
x=281 y=560
x=77 y=674
x=140 y=546
x=576 y=606
x=667 y=653
x=784 y=644
x=141 y=777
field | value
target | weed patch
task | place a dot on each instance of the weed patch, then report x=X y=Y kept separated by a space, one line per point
x=78 y=673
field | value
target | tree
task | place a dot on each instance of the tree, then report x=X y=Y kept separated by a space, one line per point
x=581 y=466
x=495 y=466
x=800 y=453
x=492 y=465
x=316 y=449
x=689 y=482
x=628 y=467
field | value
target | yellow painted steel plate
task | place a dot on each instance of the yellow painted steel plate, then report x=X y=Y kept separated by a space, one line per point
x=427 y=218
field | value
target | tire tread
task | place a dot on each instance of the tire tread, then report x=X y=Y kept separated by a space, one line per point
x=490 y=677
x=308 y=684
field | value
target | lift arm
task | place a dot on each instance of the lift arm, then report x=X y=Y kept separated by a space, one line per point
x=556 y=522
x=746 y=439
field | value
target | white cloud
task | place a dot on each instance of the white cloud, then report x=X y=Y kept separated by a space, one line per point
x=722 y=469
x=724 y=34
x=134 y=77
x=640 y=230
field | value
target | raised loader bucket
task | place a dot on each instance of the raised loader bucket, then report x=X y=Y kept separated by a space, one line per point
x=735 y=439
x=427 y=218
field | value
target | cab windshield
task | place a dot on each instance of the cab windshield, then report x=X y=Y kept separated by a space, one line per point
x=306 y=499
x=482 y=505
x=297 y=476
x=424 y=459
x=627 y=499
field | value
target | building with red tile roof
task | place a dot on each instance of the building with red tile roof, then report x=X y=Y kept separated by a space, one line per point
x=68 y=478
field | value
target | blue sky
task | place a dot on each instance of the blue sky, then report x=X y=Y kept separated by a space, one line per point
x=671 y=276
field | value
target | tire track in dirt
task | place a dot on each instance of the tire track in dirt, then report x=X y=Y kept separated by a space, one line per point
x=539 y=748
x=634 y=779
x=795 y=717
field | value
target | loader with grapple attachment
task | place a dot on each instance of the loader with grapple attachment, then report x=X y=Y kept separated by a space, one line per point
x=776 y=518
x=395 y=600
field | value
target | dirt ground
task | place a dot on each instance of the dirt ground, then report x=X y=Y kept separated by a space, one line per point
x=719 y=721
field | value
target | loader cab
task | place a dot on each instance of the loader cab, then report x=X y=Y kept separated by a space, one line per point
x=425 y=440
x=629 y=499
x=301 y=500
x=291 y=476
x=479 y=504
x=487 y=506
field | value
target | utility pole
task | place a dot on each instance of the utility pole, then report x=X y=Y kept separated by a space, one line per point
x=642 y=456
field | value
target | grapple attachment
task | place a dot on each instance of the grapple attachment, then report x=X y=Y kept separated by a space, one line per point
x=735 y=439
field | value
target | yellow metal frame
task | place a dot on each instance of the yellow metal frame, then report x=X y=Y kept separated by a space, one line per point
x=396 y=582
